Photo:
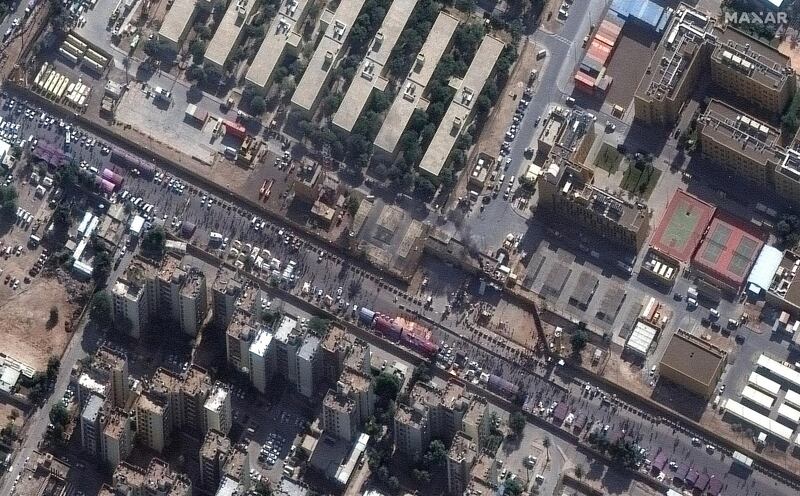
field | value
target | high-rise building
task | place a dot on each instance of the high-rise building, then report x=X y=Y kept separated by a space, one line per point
x=156 y=409
x=117 y=440
x=224 y=293
x=218 y=415
x=106 y=375
x=345 y=409
x=239 y=336
x=476 y=422
x=460 y=458
x=92 y=420
x=694 y=44
x=194 y=391
x=411 y=430
x=214 y=451
x=157 y=480
x=308 y=363
x=262 y=357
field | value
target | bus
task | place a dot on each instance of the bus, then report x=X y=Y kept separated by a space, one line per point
x=742 y=459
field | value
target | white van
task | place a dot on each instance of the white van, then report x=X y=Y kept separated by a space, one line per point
x=541 y=54
x=215 y=237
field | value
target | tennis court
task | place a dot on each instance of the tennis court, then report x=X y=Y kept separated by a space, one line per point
x=729 y=250
x=682 y=227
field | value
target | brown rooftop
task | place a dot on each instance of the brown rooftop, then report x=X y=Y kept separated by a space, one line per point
x=196 y=380
x=214 y=443
x=693 y=357
x=740 y=132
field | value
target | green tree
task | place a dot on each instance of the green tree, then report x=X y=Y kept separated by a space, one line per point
x=8 y=203
x=421 y=475
x=517 y=422
x=262 y=488
x=52 y=319
x=513 y=487
x=101 y=267
x=351 y=204
x=436 y=454
x=53 y=364
x=59 y=414
x=154 y=241
x=579 y=340
x=257 y=105
x=387 y=386
x=318 y=325
x=101 y=309
x=197 y=49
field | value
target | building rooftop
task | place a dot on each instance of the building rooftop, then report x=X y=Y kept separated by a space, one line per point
x=227 y=281
x=236 y=464
x=283 y=30
x=741 y=133
x=228 y=31
x=327 y=52
x=759 y=61
x=412 y=89
x=176 y=20
x=337 y=340
x=286 y=329
x=462 y=449
x=194 y=284
x=108 y=359
x=171 y=269
x=151 y=403
x=484 y=468
x=475 y=411
x=217 y=398
x=355 y=381
x=411 y=416
x=240 y=326
x=453 y=397
x=116 y=424
x=196 y=381
x=574 y=182
x=91 y=383
x=164 y=382
x=370 y=73
x=309 y=348
x=261 y=342
x=214 y=444
x=686 y=34
x=247 y=300
x=93 y=409
x=693 y=357
x=455 y=119
x=358 y=358
x=339 y=401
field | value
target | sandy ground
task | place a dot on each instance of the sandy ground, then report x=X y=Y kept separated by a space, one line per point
x=512 y=321
x=791 y=49
x=23 y=317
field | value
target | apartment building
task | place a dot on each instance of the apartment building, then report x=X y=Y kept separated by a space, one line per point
x=214 y=451
x=567 y=191
x=157 y=480
x=177 y=21
x=262 y=355
x=92 y=421
x=225 y=291
x=217 y=408
x=228 y=33
x=308 y=362
x=195 y=389
x=476 y=421
x=156 y=409
x=172 y=290
x=694 y=44
x=412 y=430
x=462 y=106
x=117 y=441
x=106 y=375
x=461 y=457
x=346 y=408
x=239 y=336
x=340 y=350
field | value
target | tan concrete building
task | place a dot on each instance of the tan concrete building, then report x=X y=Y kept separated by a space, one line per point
x=214 y=452
x=117 y=441
x=228 y=33
x=567 y=191
x=411 y=430
x=693 y=363
x=225 y=292
x=157 y=480
x=177 y=21
x=460 y=459
x=217 y=411
x=346 y=408
x=694 y=44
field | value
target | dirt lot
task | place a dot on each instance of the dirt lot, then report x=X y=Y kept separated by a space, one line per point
x=24 y=316
x=791 y=49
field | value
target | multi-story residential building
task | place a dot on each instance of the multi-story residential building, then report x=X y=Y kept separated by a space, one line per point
x=156 y=409
x=237 y=467
x=334 y=348
x=567 y=191
x=92 y=421
x=214 y=451
x=262 y=359
x=194 y=391
x=218 y=415
x=460 y=459
x=446 y=407
x=476 y=422
x=106 y=375
x=288 y=339
x=411 y=430
x=308 y=364
x=225 y=291
x=157 y=480
x=117 y=440
x=171 y=291
x=239 y=336
x=694 y=44
x=347 y=407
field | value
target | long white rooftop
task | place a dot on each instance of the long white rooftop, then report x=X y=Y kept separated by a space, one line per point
x=327 y=52
x=282 y=32
x=413 y=87
x=454 y=120
x=371 y=71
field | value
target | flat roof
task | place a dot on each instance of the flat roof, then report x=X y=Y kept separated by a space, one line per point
x=176 y=20
x=682 y=226
x=754 y=59
x=326 y=54
x=370 y=72
x=738 y=131
x=691 y=357
x=729 y=250
x=412 y=89
x=228 y=31
x=281 y=30
x=641 y=338
x=454 y=120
